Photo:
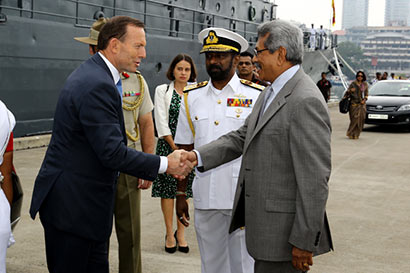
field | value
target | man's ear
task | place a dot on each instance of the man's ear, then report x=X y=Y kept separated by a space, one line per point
x=236 y=60
x=114 y=45
x=281 y=55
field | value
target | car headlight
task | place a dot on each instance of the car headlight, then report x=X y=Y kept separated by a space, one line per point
x=405 y=107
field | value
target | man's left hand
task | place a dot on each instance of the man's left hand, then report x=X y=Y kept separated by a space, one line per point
x=301 y=259
x=182 y=210
x=144 y=184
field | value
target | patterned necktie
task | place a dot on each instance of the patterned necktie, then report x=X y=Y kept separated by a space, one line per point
x=268 y=95
x=119 y=87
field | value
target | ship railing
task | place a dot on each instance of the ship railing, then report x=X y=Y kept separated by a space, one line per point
x=178 y=27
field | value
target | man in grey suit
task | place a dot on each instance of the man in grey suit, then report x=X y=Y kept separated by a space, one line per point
x=285 y=143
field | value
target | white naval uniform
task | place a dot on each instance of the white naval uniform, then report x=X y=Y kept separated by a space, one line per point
x=214 y=190
x=312 y=39
x=7 y=123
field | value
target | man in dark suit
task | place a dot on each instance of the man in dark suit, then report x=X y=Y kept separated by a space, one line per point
x=285 y=146
x=74 y=190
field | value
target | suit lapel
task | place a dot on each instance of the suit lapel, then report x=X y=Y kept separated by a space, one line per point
x=278 y=102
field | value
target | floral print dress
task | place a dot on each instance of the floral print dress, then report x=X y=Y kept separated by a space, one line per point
x=165 y=185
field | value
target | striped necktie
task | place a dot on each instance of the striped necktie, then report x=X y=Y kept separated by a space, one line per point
x=119 y=87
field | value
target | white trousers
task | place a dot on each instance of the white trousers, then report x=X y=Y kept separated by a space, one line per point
x=5 y=229
x=221 y=251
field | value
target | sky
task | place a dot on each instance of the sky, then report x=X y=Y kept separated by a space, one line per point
x=319 y=12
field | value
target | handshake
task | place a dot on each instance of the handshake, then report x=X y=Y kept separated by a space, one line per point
x=181 y=163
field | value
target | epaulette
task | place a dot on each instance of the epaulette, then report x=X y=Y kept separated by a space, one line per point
x=252 y=84
x=191 y=87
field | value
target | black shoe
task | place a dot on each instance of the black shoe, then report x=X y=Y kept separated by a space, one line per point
x=183 y=249
x=170 y=249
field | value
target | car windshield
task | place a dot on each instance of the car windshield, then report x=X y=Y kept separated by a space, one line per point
x=390 y=89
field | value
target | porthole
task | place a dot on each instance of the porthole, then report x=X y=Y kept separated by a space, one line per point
x=218 y=7
x=232 y=11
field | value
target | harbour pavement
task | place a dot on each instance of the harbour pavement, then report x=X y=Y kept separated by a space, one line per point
x=368 y=210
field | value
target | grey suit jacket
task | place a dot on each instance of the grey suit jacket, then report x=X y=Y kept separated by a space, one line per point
x=283 y=182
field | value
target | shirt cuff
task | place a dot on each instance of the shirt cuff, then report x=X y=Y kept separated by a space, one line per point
x=198 y=156
x=163 y=165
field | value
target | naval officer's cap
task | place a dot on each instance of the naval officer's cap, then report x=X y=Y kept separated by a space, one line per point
x=221 y=40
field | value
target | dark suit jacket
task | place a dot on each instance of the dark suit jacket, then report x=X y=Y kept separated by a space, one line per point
x=282 y=188
x=75 y=188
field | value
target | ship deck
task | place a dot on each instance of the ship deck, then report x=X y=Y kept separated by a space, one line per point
x=368 y=210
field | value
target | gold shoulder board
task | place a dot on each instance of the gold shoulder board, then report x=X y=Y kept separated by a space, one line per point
x=252 y=84
x=191 y=87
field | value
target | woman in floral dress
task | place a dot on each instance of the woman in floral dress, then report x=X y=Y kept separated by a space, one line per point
x=167 y=102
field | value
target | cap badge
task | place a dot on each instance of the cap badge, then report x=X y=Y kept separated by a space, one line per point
x=212 y=38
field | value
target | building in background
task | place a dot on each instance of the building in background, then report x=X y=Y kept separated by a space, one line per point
x=389 y=51
x=355 y=13
x=397 y=13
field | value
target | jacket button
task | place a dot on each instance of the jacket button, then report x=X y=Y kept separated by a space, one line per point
x=216 y=122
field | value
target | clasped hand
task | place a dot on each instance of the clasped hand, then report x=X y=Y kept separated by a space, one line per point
x=181 y=163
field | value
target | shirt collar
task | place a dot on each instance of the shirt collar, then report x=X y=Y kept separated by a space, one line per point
x=114 y=72
x=283 y=78
x=233 y=84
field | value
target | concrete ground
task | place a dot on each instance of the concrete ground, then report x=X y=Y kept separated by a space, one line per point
x=368 y=210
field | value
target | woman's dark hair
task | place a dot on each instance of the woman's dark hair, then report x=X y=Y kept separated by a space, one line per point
x=361 y=72
x=116 y=27
x=175 y=61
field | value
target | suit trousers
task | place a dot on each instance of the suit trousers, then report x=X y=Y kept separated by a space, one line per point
x=275 y=267
x=221 y=251
x=68 y=253
x=128 y=224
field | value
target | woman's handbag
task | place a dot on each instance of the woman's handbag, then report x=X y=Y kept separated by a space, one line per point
x=17 y=200
x=344 y=105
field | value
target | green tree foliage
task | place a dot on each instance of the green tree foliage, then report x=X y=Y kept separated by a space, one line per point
x=353 y=54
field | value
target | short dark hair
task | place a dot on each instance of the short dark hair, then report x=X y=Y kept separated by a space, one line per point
x=361 y=72
x=116 y=27
x=246 y=54
x=323 y=73
x=175 y=61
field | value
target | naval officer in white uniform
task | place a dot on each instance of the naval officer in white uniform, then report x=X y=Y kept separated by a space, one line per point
x=209 y=110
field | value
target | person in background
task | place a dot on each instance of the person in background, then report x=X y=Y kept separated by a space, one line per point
x=378 y=78
x=357 y=92
x=167 y=102
x=137 y=106
x=312 y=39
x=391 y=77
x=324 y=86
x=384 y=76
x=322 y=33
x=246 y=69
x=7 y=123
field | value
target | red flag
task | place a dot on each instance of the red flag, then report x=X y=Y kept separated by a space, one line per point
x=334 y=13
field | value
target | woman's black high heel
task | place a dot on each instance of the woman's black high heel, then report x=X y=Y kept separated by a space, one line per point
x=170 y=249
x=183 y=249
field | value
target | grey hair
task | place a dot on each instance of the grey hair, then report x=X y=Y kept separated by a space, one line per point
x=283 y=34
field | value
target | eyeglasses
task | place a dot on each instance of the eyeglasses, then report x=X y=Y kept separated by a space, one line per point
x=257 y=51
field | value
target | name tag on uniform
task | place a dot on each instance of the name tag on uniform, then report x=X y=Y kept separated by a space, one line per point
x=236 y=102
x=131 y=94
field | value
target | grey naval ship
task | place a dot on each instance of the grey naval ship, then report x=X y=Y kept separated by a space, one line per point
x=38 y=52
